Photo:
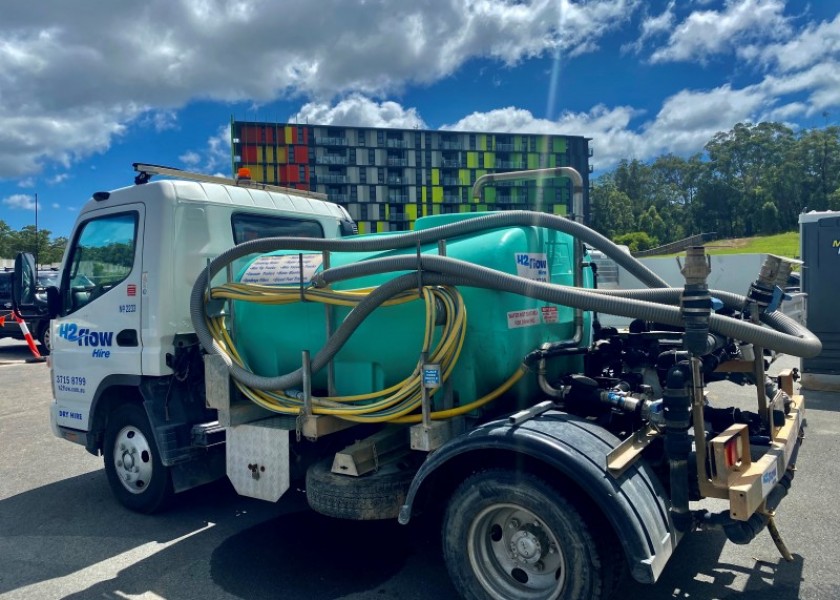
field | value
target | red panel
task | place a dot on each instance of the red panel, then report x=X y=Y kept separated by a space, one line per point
x=305 y=139
x=301 y=155
x=249 y=154
x=269 y=135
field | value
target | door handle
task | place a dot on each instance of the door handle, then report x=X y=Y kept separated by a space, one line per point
x=127 y=337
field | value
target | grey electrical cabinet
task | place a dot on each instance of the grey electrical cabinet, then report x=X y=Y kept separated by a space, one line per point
x=820 y=252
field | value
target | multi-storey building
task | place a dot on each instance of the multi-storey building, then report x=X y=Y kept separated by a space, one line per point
x=387 y=178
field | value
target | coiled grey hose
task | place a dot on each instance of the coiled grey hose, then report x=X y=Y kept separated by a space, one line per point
x=454 y=272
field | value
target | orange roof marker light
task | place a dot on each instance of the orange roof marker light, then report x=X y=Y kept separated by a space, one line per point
x=243 y=174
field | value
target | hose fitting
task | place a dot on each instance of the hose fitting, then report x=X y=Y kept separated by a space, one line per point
x=676 y=402
x=695 y=302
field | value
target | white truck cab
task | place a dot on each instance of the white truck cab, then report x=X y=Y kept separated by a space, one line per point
x=122 y=325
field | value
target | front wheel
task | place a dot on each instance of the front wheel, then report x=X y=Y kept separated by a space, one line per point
x=512 y=535
x=135 y=472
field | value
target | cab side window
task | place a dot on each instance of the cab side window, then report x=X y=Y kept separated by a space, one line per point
x=102 y=256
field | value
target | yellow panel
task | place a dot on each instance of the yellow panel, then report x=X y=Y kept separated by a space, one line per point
x=288 y=133
x=411 y=212
x=281 y=156
x=362 y=227
x=425 y=210
x=435 y=176
x=464 y=176
x=269 y=154
x=260 y=154
x=423 y=194
x=437 y=194
x=387 y=212
x=472 y=160
x=559 y=209
x=490 y=160
x=380 y=226
x=482 y=144
x=257 y=172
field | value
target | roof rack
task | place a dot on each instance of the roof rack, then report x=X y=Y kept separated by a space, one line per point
x=145 y=172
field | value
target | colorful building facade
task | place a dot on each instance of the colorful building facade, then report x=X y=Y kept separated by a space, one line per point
x=387 y=178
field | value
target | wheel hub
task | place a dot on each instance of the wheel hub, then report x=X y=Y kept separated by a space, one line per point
x=133 y=459
x=526 y=547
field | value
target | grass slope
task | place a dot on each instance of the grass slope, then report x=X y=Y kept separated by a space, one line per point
x=782 y=244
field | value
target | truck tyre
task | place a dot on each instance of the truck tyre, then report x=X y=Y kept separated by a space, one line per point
x=132 y=462
x=370 y=497
x=512 y=535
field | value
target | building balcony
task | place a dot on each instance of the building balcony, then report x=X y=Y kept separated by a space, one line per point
x=452 y=198
x=330 y=141
x=504 y=147
x=508 y=164
x=397 y=198
x=397 y=181
x=451 y=146
x=338 y=197
x=452 y=164
x=451 y=181
x=331 y=159
x=331 y=178
x=591 y=151
x=393 y=143
x=393 y=161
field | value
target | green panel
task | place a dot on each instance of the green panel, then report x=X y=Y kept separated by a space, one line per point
x=411 y=212
x=542 y=144
x=489 y=195
x=437 y=193
x=559 y=209
x=463 y=208
x=464 y=176
x=490 y=160
x=472 y=160
x=559 y=144
x=533 y=161
x=436 y=209
x=435 y=176
x=482 y=144
x=423 y=193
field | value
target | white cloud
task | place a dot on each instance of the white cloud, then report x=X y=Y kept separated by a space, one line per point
x=58 y=178
x=816 y=43
x=26 y=182
x=359 y=111
x=653 y=26
x=214 y=156
x=55 y=205
x=20 y=201
x=150 y=60
x=705 y=33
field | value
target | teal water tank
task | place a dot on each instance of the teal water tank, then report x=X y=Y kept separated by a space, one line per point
x=501 y=327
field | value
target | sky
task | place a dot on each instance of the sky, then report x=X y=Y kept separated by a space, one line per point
x=88 y=87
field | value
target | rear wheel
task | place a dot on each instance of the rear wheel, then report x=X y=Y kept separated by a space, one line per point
x=512 y=535
x=135 y=472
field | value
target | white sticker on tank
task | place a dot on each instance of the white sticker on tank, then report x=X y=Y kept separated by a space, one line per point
x=523 y=318
x=549 y=314
x=532 y=265
x=282 y=269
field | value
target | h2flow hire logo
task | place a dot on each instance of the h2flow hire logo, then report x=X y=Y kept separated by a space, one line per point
x=85 y=336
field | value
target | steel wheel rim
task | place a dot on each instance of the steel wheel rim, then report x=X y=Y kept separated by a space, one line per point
x=514 y=555
x=133 y=459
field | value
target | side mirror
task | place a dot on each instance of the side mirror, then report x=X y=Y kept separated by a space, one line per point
x=24 y=285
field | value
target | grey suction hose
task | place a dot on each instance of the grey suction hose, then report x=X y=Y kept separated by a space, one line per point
x=786 y=329
x=406 y=240
x=800 y=343
x=478 y=276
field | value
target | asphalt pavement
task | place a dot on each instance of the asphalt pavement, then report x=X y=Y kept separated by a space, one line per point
x=62 y=535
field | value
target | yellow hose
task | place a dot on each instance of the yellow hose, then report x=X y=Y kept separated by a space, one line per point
x=393 y=404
